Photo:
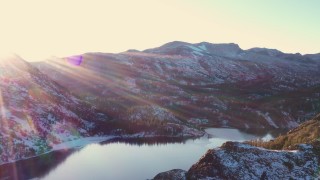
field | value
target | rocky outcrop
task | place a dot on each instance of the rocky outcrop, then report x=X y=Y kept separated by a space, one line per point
x=176 y=174
x=241 y=161
x=236 y=161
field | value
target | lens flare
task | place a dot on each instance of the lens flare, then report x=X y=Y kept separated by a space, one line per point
x=75 y=60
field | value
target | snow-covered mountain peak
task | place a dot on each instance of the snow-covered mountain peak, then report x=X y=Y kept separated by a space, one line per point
x=198 y=49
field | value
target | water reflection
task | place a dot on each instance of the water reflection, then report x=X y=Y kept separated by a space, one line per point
x=33 y=167
x=123 y=158
x=152 y=141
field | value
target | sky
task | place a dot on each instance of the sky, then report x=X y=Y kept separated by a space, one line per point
x=39 y=29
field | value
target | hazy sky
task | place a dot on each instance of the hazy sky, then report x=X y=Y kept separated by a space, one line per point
x=37 y=29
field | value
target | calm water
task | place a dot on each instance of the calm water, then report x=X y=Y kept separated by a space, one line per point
x=126 y=160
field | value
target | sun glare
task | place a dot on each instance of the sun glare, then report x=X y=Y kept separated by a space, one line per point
x=5 y=55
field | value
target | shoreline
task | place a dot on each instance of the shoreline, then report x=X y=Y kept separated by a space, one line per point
x=82 y=142
x=134 y=138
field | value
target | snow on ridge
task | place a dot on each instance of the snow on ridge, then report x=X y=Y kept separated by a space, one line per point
x=203 y=47
x=267 y=118
x=195 y=48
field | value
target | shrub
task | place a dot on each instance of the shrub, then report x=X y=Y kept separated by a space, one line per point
x=307 y=132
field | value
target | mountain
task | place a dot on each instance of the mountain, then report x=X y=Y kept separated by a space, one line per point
x=297 y=157
x=203 y=48
x=194 y=85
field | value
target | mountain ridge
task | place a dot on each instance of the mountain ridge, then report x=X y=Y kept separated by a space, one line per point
x=234 y=46
x=218 y=80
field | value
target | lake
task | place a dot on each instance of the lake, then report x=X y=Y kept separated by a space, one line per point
x=119 y=159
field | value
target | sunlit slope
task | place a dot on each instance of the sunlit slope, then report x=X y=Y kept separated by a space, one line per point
x=307 y=132
x=36 y=113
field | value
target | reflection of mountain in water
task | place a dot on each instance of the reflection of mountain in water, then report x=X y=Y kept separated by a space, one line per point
x=34 y=167
x=148 y=141
x=40 y=166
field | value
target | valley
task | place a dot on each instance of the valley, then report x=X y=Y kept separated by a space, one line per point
x=172 y=94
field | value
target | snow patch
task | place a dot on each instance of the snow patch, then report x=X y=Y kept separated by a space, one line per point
x=267 y=118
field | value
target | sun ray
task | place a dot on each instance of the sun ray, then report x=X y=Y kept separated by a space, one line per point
x=89 y=77
x=7 y=141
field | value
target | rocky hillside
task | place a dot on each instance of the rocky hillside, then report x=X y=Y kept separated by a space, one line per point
x=306 y=133
x=37 y=113
x=235 y=160
x=200 y=84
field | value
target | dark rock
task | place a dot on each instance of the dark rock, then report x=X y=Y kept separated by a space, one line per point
x=241 y=161
x=175 y=174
